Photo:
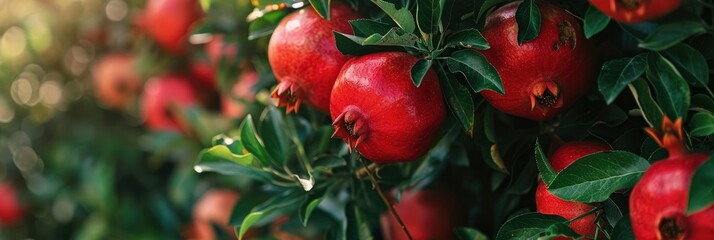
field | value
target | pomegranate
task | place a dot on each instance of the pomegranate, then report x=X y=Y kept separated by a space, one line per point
x=430 y=213
x=202 y=71
x=215 y=207
x=544 y=75
x=243 y=89
x=547 y=203
x=377 y=109
x=658 y=203
x=116 y=81
x=169 y=22
x=304 y=56
x=633 y=11
x=161 y=95
x=10 y=209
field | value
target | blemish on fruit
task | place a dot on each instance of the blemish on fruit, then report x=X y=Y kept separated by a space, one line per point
x=567 y=35
x=670 y=229
x=630 y=4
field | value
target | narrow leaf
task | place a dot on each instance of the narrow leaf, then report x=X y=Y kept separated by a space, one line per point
x=650 y=110
x=671 y=34
x=403 y=17
x=468 y=38
x=459 y=100
x=251 y=142
x=249 y=220
x=617 y=74
x=528 y=19
x=367 y=27
x=595 y=21
x=701 y=191
x=479 y=73
x=528 y=226
x=671 y=89
x=464 y=233
x=547 y=172
x=690 y=63
x=428 y=15
x=395 y=37
x=419 y=70
x=322 y=7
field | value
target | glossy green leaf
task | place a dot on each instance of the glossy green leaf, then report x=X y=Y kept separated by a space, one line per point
x=468 y=38
x=419 y=70
x=251 y=142
x=306 y=209
x=650 y=110
x=690 y=63
x=528 y=226
x=357 y=225
x=265 y=25
x=547 y=172
x=671 y=34
x=427 y=171
x=672 y=92
x=464 y=233
x=274 y=135
x=479 y=73
x=395 y=37
x=219 y=159
x=222 y=151
x=594 y=177
x=701 y=124
x=352 y=45
x=623 y=230
x=595 y=21
x=459 y=100
x=403 y=17
x=322 y=7
x=244 y=206
x=617 y=74
x=429 y=15
x=528 y=19
x=613 y=214
x=701 y=191
x=367 y=27
x=248 y=222
x=487 y=5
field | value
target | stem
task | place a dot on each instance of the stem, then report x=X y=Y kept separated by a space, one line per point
x=372 y=167
x=709 y=91
x=384 y=198
x=584 y=214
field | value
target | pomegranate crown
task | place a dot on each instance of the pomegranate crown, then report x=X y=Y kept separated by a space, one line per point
x=670 y=136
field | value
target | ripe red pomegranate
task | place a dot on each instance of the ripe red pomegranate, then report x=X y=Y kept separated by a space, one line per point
x=243 y=90
x=430 y=213
x=204 y=73
x=169 y=22
x=215 y=207
x=658 y=203
x=633 y=11
x=377 y=109
x=163 y=93
x=217 y=48
x=547 y=203
x=304 y=56
x=545 y=75
x=116 y=80
x=10 y=208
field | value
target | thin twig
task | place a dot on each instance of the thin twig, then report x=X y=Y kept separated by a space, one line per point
x=371 y=167
x=384 y=198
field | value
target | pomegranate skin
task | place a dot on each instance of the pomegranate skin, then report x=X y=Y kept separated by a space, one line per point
x=547 y=203
x=542 y=76
x=203 y=73
x=115 y=80
x=634 y=11
x=243 y=90
x=431 y=213
x=304 y=56
x=662 y=194
x=215 y=207
x=377 y=109
x=160 y=94
x=169 y=22
x=10 y=208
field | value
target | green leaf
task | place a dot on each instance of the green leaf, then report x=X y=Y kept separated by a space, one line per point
x=219 y=159
x=244 y=206
x=437 y=155
x=468 y=38
x=251 y=142
x=395 y=37
x=479 y=73
x=464 y=233
x=274 y=135
x=308 y=206
x=617 y=74
x=623 y=230
x=702 y=124
x=429 y=15
x=249 y=220
x=322 y=7
x=419 y=70
x=595 y=21
x=352 y=45
x=690 y=63
x=528 y=226
x=205 y=5
x=547 y=172
x=671 y=34
x=528 y=19
x=403 y=17
x=594 y=177
x=672 y=92
x=651 y=111
x=487 y=4
x=357 y=224
x=613 y=214
x=265 y=25
x=701 y=191
x=222 y=151
x=367 y=27
x=702 y=103
x=459 y=100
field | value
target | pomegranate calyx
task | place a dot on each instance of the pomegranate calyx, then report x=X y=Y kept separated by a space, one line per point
x=629 y=4
x=351 y=126
x=672 y=228
x=546 y=94
x=288 y=96
x=670 y=136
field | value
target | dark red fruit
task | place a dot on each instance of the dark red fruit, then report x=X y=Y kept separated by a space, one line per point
x=204 y=73
x=204 y=69
x=633 y=11
x=430 y=213
x=161 y=96
x=545 y=75
x=377 y=109
x=304 y=56
x=243 y=91
x=658 y=203
x=116 y=80
x=547 y=203
x=10 y=209
x=215 y=207
x=169 y=22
